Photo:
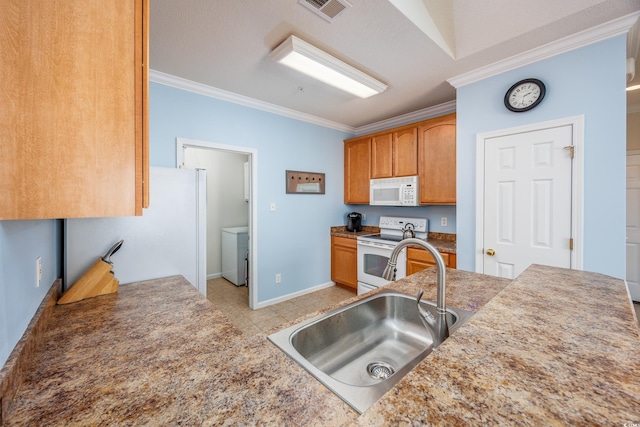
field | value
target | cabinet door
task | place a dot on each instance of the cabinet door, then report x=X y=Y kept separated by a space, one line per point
x=437 y=161
x=405 y=152
x=382 y=156
x=73 y=125
x=344 y=261
x=357 y=163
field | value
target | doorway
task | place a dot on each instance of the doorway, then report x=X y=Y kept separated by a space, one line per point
x=633 y=224
x=231 y=194
x=528 y=197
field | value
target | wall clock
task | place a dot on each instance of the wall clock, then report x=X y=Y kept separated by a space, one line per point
x=524 y=95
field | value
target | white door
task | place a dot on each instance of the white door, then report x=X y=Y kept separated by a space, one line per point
x=527 y=201
x=633 y=225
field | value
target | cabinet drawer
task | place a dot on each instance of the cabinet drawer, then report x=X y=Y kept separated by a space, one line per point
x=421 y=255
x=344 y=241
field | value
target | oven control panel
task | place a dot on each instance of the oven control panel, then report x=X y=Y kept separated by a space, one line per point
x=398 y=223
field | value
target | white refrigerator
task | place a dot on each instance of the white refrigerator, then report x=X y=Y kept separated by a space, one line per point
x=168 y=239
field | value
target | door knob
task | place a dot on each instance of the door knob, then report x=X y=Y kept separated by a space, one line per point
x=491 y=252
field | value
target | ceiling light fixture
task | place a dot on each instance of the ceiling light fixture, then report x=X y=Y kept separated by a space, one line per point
x=634 y=87
x=318 y=64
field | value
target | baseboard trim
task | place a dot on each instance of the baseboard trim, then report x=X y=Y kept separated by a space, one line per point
x=294 y=295
x=214 y=276
x=17 y=365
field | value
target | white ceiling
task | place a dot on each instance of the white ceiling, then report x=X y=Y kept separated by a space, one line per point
x=226 y=44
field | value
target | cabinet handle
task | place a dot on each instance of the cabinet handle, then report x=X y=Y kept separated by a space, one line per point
x=491 y=252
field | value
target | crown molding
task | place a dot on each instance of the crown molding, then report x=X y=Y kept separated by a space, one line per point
x=223 y=95
x=416 y=116
x=598 y=33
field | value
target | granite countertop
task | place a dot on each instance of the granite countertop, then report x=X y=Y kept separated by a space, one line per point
x=555 y=347
x=543 y=349
x=443 y=242
x=341 y=231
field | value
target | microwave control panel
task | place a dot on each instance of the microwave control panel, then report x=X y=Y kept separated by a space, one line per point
x=409 y=195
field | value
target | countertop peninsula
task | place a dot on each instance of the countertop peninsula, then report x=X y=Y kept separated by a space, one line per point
x=553 y=346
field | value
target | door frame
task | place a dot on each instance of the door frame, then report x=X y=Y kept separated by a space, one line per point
x=252 y=153
x=634 y=291
x=577 y=184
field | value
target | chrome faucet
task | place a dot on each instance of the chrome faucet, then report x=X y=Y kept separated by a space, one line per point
x=437 y=324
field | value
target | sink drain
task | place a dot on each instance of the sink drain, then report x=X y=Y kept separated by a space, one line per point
x=380 y=370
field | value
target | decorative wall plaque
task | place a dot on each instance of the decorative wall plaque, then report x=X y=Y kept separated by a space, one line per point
x=299 y=182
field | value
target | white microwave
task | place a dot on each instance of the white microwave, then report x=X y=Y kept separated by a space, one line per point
x=401 y=191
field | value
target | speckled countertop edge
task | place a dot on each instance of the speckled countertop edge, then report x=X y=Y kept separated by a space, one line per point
x=443 y=242
x=17 y=365
x=159 y=353
x=502 y=367
x=555 y=347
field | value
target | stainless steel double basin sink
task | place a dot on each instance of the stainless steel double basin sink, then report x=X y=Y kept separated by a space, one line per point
x=360 y=351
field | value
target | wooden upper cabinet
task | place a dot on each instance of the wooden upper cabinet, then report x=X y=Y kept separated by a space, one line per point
x=382 y=156
x=357 y=165
x=426 y=149
x=73 y=125
x=395 y=154
x=437 y=160
x=405 y=150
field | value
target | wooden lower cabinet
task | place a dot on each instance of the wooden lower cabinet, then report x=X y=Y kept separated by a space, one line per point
x=344 y=261
x=420 y=259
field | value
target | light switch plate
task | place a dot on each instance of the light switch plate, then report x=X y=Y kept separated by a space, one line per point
x=38 y=271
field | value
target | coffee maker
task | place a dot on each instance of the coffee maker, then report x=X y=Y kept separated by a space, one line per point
x=354 y=221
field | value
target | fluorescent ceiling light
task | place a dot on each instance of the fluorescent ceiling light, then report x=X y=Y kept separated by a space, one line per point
x=318 y=64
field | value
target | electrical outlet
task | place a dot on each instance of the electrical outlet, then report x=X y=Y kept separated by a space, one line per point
x=38 y=271
x=272 y=207
x=278 y=278
x=443 y=221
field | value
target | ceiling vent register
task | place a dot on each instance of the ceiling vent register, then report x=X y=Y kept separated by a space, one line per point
x=328 y=9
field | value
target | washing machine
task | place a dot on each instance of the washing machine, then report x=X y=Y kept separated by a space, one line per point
x=235 y=249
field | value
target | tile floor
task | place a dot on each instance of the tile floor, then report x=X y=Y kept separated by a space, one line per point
x=233 y=301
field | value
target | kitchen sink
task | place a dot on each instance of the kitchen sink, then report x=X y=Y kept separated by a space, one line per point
x=360 y=351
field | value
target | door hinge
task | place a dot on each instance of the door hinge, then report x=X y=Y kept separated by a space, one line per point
x=571 y=149
x=571 y=244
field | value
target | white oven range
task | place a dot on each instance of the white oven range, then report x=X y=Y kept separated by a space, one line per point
x=374 y=250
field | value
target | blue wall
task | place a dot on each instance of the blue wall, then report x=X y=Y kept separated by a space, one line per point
x=432 y=213
x=589 y=81
x=21 y=243
x=294 y=240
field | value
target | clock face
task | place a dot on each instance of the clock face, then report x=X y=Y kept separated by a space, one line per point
x=524 y=95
